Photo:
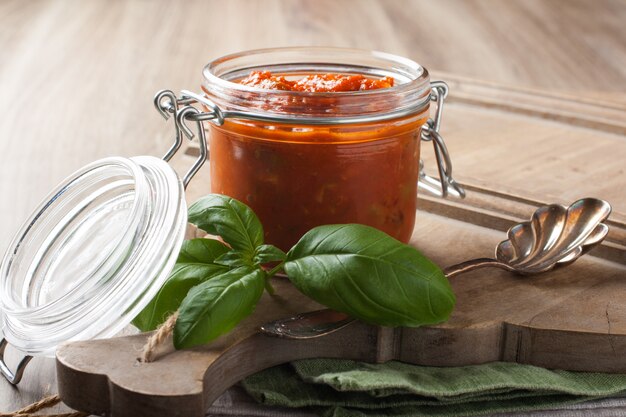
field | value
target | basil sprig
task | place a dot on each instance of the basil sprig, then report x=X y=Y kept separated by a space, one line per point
x=351 y=268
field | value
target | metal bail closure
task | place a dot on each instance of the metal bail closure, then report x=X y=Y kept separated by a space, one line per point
x=430 y=132
x=14 y=378
x=181 y=116
x=172 y=107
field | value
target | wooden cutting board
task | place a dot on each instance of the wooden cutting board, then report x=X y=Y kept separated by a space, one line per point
x=514 y=150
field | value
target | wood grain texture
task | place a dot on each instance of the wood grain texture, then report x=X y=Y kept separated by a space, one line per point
x=77 y=78
x=571 y=318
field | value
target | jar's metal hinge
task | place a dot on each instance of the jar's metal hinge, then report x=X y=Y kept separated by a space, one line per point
x=430 y=133
x=168 y=105
x=14 y=378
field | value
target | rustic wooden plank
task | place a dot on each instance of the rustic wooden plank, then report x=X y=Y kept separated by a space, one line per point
x=570 y=318
x=598 y=114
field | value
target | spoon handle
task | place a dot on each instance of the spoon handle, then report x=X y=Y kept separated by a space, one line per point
x=322 y=322
x=473 y=264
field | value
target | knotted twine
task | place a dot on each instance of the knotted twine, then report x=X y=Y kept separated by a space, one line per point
x=148 y=354
x=161 y=335
x=30 y=410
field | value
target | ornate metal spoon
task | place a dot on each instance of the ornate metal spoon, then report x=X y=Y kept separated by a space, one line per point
x=555 y=236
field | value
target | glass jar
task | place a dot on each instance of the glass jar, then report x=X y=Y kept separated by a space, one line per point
x=304 y=159
x=94 y=253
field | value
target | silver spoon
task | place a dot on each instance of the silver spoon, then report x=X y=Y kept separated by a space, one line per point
x=555 y=236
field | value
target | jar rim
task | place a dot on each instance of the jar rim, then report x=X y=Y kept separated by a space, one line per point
x=211 y=75
x=410 y=95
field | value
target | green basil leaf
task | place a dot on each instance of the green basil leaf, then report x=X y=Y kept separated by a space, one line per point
x=268 y=253
x=235 y=258
x=369 y=275
x=217 y=305
x=201 y=250
x=230 y=219
x=194 y=266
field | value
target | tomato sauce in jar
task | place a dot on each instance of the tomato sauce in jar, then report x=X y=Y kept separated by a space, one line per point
x=322 y=153
x=316 y=83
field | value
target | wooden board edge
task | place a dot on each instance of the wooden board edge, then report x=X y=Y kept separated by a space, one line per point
x=98 y=392
x=514 y=343
x=608 y=116
x=519 y=89
x=499 y=211
x=561 y=349
x=101 y=392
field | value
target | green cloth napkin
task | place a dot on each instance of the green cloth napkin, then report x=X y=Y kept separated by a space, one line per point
x=344 y=388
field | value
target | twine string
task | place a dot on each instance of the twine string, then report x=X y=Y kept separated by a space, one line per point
x=43 y=403
x=164 y=331
x=32 y=409
x=148 y=354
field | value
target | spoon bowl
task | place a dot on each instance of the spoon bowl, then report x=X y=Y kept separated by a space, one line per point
x=556 y=235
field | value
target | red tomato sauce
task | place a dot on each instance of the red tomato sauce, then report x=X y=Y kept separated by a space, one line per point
x=316 y=83
x=297 y=176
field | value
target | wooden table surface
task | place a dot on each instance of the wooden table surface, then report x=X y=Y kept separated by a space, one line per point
x=77 y=78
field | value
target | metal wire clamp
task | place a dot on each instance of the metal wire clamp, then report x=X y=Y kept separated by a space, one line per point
x=167 y=108
x=14 y=378
x=430 y=133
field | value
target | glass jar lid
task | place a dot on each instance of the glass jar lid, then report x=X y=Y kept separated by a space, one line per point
x=93 y=254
